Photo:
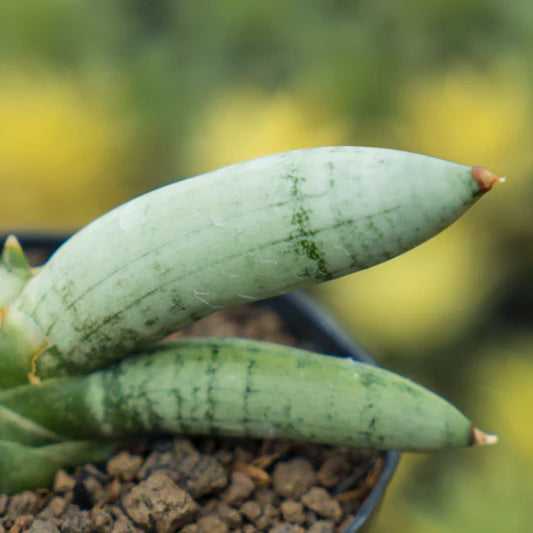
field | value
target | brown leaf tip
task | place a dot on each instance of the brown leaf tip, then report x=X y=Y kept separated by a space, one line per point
x=478 y=438
x=484 y=178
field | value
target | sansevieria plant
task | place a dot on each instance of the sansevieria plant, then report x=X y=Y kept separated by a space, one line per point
x=79 y=369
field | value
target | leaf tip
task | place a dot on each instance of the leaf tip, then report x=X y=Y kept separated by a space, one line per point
x=479 y=438
x=485 y=179
x=13 y=256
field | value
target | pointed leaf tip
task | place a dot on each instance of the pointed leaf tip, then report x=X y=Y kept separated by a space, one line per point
x=12 y=241
x=13 y=255
x=484 y=178
x=479 y=438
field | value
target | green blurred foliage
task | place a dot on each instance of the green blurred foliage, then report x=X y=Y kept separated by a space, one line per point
x=100 y=101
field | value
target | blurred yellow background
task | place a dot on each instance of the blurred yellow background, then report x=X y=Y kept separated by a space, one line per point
x=101 y=101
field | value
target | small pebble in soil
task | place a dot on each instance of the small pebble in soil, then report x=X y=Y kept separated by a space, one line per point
x=159 y=503
x=292 y=478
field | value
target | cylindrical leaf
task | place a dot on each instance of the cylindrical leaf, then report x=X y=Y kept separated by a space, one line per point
x=237 y=234
x=27 y=467
x=243 y=388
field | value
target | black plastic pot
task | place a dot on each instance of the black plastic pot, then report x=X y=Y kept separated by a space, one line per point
x=308 y=322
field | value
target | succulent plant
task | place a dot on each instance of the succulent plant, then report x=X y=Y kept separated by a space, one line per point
x=167 y=258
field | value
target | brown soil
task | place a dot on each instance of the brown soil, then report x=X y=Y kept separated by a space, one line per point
x=211 y=485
